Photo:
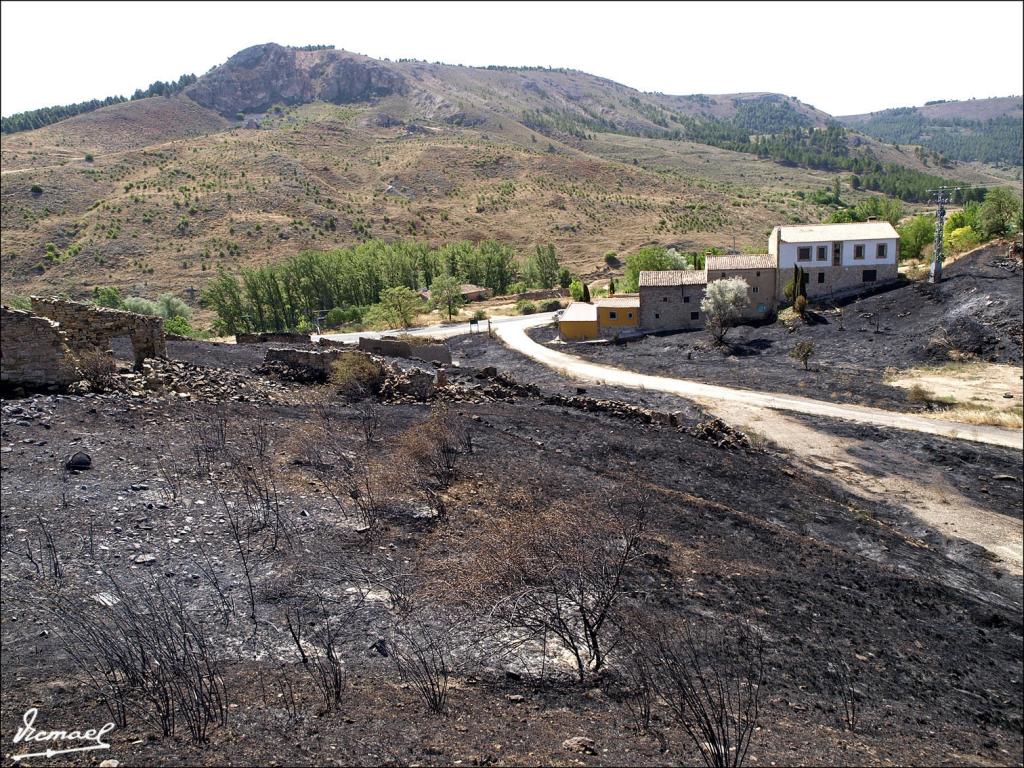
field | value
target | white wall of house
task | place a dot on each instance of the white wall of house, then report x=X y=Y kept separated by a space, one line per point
x=789 y=253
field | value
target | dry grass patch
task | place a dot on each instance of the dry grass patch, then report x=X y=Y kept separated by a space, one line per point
x=976 y=393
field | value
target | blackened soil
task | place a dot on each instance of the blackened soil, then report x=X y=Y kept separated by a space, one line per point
x=933 y=641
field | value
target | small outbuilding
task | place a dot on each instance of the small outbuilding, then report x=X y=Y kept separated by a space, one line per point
x=618 y=312
x=578 y=322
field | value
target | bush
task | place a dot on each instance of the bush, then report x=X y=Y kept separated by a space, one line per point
x=170 y=306
x=524 y=307
x=800 y=305
x=98 y=369
x=612 y=259
x=357 y=375
x=918 y=394
x=36 y=189
x=18 y=302
x=179 y=326
x=88 y=158
x=107 y=297
x=551 y=306
x=141 y=306
x=576 y=290
x=802 y=351
x=341 y=315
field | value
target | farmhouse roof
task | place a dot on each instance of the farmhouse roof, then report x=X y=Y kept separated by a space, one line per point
x=625 y=300
x=670 y=277
x=817 y=233
x=579 y=312
x=740 y=261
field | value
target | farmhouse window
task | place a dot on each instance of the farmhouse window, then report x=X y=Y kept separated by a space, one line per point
x=611 y=315
x=664 y=298
x=657 y=315
x=858 y=251
x=629 y=315
x=754 y=289
x=694 y=315
x=869 y=275
x=758 y=274
x=882 y=250
x=686 y=299
x=723 y=275
x=803 y=254
x=760 y=307
x=821 y=277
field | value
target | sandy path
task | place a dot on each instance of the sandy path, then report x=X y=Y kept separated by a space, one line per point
x=513 y=334
x=922 y=489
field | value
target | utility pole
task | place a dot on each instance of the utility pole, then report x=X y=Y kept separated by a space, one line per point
x=941 y=198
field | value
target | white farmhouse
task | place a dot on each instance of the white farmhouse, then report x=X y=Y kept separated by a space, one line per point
x=837 y=259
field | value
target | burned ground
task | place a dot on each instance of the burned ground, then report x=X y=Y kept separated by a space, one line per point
x=929 y=628
x=975 y=313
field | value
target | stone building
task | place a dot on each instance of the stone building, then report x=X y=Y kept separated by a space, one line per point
x=33 y=351
x=837 y=259
x=758 y=271
x=89 y=326
x=670 y=299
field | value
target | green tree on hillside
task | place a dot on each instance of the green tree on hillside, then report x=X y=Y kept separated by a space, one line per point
x=999 y=213
x=107 y=296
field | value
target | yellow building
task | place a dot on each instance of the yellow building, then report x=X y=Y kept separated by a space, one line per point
x=578 y=322
x=618 y=312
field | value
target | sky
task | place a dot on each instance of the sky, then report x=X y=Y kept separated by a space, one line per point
x=841 y=57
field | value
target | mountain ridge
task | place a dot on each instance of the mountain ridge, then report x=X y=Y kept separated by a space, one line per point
x=157 y=194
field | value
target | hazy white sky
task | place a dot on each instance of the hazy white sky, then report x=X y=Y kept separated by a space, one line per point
x=843 y=58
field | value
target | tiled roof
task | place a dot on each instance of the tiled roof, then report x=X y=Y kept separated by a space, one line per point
x=670 y=277
x=819 y=233
x=740 y=261
x=623 y=300
x=579 y=312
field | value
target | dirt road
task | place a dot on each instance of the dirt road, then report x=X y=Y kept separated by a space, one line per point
x=513 y=334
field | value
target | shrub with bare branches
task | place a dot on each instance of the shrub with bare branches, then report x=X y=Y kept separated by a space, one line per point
x=143 y=651
x=98 y=368
x=561 y=571
x=711 y=683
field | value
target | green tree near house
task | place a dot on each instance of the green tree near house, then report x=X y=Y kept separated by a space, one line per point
x=542 y=270
x=397 y=308
x=722 y=305
x=446 y=295
x=586 y=294
x=649 y=259
x=915 y=235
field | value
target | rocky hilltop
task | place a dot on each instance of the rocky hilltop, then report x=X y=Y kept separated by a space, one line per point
x=258 y=77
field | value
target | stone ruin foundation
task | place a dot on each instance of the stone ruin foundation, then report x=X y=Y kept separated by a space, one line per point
x=90 y=327
x=39 y=348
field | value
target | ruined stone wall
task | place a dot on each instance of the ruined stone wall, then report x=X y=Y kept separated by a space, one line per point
x=431 y=353
x=33 y=351
x=86 y=326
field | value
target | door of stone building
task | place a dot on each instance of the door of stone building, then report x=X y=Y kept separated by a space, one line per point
x=837 y=254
